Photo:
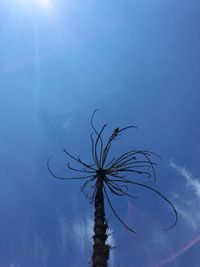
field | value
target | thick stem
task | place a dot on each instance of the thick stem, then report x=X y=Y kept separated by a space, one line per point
x=101 y=250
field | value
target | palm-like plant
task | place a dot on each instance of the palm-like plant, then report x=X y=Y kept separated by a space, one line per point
x=107 y=174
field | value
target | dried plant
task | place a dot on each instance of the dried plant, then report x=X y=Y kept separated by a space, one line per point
x=109 y=175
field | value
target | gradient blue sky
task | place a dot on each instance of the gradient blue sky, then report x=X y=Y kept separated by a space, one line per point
x=139 y=63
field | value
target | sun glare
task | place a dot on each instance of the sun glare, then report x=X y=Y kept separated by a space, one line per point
x=45 y=3
x=38 y=4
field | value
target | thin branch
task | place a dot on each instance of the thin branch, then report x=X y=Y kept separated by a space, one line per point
x=98 y=160
x=93 y=150
x=111 y=161
x=117 y=216
x=134 y=163
x=98 y=134
x=83 y=187
x=91 y=122
x=134 y=171
x=114 y=191
x=158 y=193
x=79 y=170
x=114 y=187
x=77 y=159
x=134 y=152
x=62 y=177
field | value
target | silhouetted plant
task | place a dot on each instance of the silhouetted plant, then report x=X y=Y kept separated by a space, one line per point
x=105 y=175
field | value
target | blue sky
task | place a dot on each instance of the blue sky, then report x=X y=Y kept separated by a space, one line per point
x=137 y=62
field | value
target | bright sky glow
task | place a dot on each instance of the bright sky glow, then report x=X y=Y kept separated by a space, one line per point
x=37 y=4
x=45 y=3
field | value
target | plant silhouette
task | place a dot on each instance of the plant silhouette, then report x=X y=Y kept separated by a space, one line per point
x=109 y=174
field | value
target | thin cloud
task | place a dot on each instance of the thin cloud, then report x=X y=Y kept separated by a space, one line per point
x=64 y=231
x=191 y=182
x=40 y=251
x=188 y=207
x=81 y=232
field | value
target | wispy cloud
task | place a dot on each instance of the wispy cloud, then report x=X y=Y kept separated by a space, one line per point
x=191 y=182
x=188 y=207
x=81 y=232
x=64 y=231
x=40 y=250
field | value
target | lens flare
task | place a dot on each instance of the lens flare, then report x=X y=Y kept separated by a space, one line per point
x=181 y=251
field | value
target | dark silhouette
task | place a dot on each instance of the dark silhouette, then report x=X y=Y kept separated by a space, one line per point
x=105 y=175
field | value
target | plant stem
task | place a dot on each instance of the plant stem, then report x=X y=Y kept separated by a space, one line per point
x=101 y=250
